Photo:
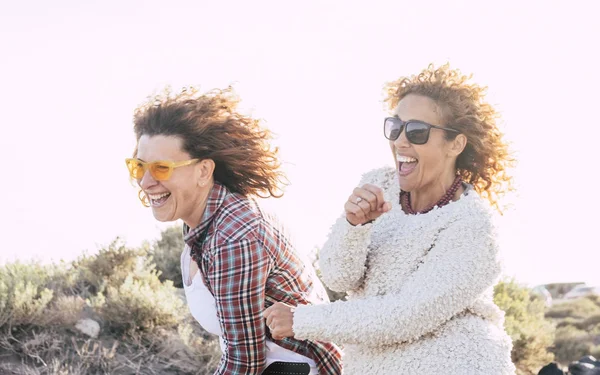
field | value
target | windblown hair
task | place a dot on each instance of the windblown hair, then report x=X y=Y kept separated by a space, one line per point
x=212 y=128
x=485 y=161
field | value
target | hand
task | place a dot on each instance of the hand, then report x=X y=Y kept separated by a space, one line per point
x=280 y=320
x=366 y=204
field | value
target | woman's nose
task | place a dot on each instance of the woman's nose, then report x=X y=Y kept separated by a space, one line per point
x=147 y=180
x=402 y=141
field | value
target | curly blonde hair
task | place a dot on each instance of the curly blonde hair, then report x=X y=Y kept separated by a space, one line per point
x=212 y=128
x=486 y=159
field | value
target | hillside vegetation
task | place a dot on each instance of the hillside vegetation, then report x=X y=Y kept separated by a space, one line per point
x=121 y=311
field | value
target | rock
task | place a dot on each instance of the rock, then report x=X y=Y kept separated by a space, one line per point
x=88 y=327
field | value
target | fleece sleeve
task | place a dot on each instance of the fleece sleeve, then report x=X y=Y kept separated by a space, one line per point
x=461 y=266
x=342 y=259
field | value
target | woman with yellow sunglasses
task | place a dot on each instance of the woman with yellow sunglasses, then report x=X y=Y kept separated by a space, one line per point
x=199 y=160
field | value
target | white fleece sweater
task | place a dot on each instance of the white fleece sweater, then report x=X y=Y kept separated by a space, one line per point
x=420 y=291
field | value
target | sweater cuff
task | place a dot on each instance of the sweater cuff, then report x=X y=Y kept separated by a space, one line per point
x=356 y=232
x=308 y=320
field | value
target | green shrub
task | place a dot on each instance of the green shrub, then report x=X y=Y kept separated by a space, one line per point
x=531 y=334
x=579 y=308
x=590 y=323
x=138 y=305
x=25 y=293
x=111 y=266
x=572 y=343
x=568 y=321
x=166 y=254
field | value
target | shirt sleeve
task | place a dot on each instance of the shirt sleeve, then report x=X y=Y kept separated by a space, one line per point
x=237 y=276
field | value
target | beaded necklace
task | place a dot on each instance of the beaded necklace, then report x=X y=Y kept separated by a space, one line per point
x=405 y=198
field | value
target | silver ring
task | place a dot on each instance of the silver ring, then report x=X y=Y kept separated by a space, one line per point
x=358 y=200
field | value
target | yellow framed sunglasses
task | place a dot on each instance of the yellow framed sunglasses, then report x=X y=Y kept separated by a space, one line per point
x=160 y=170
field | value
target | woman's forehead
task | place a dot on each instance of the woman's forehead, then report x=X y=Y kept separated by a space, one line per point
x=160 y=147
x=417 y=107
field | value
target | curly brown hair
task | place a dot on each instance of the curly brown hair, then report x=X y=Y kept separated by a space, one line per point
x=486 y=159
x=212 y=128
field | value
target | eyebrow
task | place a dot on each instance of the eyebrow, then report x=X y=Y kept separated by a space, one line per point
x=412 y=119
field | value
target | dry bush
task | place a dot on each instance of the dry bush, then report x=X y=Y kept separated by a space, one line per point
x=23 y=293
x=145 y=326
x=186 y=350
x=578 y=328
x=166 y=254
x=65 y=311
x=111 y=266
x=136 y=305
x=579 y=308
x=571 y=344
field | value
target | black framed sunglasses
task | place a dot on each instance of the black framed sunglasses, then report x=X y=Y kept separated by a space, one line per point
x=417 y=132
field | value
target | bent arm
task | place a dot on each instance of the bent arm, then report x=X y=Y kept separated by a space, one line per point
x=461 y=266
x=344 y=255
x=343 y=258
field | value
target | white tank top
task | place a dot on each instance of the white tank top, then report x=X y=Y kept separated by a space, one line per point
x=203 y=307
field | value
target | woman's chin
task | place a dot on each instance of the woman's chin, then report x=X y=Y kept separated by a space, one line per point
x=405 y=184
x=161 y=215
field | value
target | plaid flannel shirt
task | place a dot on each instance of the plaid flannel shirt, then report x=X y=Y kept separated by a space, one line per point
x=248 y=263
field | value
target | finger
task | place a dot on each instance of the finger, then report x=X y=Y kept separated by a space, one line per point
x=366 y=196
x=365 y=206
x=361 y=202
x=365 y=200
x=386 y=207
x=355 y=211
x=268 y=312
x=378 y=193
x=270 y=320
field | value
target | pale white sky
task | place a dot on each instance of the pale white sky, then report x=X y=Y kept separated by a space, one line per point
x=72 y=73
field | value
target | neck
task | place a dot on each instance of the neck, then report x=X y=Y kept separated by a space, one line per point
x=195 y=217
x=423 y=199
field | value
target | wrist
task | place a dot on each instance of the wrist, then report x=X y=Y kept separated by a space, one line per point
x=355 y=225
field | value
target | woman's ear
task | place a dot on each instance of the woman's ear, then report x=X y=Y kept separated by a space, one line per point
x=205 y=168
x=457 y=145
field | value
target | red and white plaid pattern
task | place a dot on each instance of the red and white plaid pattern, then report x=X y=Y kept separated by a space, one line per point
x=248 y=263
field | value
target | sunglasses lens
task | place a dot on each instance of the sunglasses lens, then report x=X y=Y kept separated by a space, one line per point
x=160 y=172
x=392 y=128
x=136 y=168
x=417 y=133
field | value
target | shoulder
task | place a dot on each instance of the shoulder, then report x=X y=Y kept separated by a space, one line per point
x=238 y=218
x=472 y=213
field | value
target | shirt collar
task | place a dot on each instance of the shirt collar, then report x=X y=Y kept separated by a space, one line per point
x=215 y=199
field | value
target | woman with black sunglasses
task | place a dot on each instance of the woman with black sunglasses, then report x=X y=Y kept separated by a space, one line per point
x=201 y=161
x=415 y=249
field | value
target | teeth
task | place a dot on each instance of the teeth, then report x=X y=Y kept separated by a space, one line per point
x=405 y=159
x=157 y=196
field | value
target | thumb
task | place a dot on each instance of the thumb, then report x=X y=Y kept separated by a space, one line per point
x=387 y=206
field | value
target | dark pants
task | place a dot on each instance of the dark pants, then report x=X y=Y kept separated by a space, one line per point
x=287 y=368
